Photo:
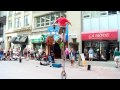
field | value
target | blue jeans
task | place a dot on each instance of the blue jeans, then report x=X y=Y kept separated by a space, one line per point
x=1 y=56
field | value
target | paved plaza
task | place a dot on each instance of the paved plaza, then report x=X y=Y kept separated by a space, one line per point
x=33 y=70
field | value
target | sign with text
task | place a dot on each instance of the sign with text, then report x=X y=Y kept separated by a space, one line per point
x=82 y=56
x=110 y=35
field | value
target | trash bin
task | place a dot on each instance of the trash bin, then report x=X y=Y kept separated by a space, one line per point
x=89 y=67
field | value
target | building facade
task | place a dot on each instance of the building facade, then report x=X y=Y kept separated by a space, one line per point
x=101 y=31
x=35 y=24
x=2 y=28
x=74 y=32
x=42 y=20
x=18 y=29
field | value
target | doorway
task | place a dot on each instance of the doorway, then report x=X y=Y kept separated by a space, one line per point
x=22 y=48
x=57 y=51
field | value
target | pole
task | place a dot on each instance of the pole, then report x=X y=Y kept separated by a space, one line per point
x=63 y=50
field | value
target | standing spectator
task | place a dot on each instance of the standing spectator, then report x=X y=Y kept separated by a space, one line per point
x=67 y=53
x=11 y=52
x=72 y=56
x=1 y=54
x=91 y=53
x=45 y=58
x=8 y=55
x=4 y=54
x=32 y=54
x=50 y=59
x=25 y=52
x=116 y=57
x=52 y=55
x=35 y=52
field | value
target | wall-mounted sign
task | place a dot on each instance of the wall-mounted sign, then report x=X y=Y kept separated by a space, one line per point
x=110 y=35
x=72 y=35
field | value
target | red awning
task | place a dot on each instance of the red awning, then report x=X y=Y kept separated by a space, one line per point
x=104 y=35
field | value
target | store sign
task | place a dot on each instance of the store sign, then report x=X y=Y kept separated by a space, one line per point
x=113 y=35
x=98 y=35
x=72 y=35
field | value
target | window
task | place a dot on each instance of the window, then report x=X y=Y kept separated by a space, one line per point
x=37 y=21
x=95 y=14
x=52 y=18
x=103 y=13
x=17 y=12
x=17 y=22
x=26 y=20
x=58 y=15
x=10 y=13
x=1 y=26
x=86 y=14
x=2 y=13
x=42 y=21
x=118 y=12
x=47 y=20
x=112 y=12
x=9 y=24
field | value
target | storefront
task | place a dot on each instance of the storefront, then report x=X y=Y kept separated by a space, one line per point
x=103 y=44
x=38 y=41
x=20 y=41
x=56 y=44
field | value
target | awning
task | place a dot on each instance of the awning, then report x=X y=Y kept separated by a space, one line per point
x=37 y=39
x=13 y=39
x=20 y=40
x=23 y=39
x=101 y=35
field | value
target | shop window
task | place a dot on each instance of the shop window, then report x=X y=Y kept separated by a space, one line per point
x=112 y=12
